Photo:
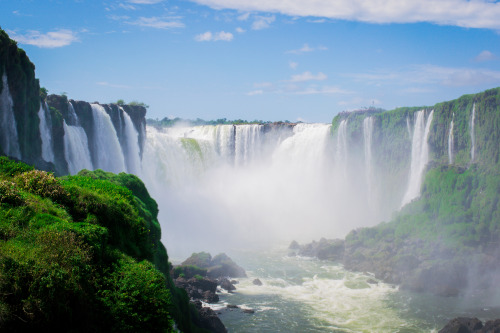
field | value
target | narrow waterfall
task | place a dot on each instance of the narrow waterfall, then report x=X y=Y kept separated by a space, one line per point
x=247 y=143
x=46 y=132
x=76 y=149
x=107 y=149
x=408 y=126
x=72 y=117
x=472 y=136
x=419 y=155
x=9 y=141
x=451 y=142
x=367 y=134
x=341 y=154
x=132 y=152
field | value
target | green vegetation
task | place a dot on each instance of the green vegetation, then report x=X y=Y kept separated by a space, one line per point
x=83 y=253
x=168 y=122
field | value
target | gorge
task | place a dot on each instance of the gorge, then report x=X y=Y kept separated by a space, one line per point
x=431 y=173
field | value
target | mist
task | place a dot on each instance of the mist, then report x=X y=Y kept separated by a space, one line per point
x=229 y=187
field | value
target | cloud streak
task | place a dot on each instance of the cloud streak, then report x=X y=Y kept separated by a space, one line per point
x=462 y=13
x=157 y=22
x=51 y=39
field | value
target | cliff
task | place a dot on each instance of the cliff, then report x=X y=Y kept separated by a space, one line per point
x=445 y=238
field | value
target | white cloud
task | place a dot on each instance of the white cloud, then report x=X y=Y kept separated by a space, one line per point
x=262 y=22
x=217 y=36
x=244 y=17
x=293 y=65
x=240 y=30
x=326 y=90
x=485 y=56
x=462 y=13
x=308 y=76
x=50 y=39
x=306 y=48
x=157 y=22
x=126 y=6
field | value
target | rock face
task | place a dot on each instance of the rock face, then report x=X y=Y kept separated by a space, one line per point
x=199 y=288
x=471 y=325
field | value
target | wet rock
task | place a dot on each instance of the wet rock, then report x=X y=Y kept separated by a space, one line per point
x=208 y=319
x=462 y=325
x=232 y=306
x=224 y=283
x=257 y=282
x=249 y=311
x=210 y=297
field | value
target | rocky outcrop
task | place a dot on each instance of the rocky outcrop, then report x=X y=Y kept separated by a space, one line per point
x=471 y=325
x=199 y=288
x=219 y=266
x=325 y=249
x=208 y=319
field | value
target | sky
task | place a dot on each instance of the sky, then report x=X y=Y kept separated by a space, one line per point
x=293 y=60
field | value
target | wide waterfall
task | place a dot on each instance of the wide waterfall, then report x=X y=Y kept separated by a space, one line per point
x=46 y=133
x=107 y=149
x=419 y=155
x=8 y=129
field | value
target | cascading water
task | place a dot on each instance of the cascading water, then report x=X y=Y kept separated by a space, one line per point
x=367 y=135
x=107 y=149
x=132 y=151
x=451 y=142
x=341 y=158
x=408 y=126
x=72 y=117
x=247 y=143
x=472 y=136
x=419 y=155
x=76 y=149
x=225 y=138
x=46 y=132
x=8 y=128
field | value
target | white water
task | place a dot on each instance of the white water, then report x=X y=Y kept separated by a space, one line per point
x=419 y=155
x=46 y=132
x=132 y=155
x=342 y=145
x=109 y=155
x=367 y=136
x=72 y=117
x=76 y=149
x=451 y=142
x=472 y=136
x=247 y=144
x=408 y=126
x=8 y=128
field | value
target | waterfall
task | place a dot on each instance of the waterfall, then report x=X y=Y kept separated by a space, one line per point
x=132 y=151
x=342 y=144
x=8 y=129
x=419 y=155
x=367 y=134
x=451 y=142
x=408 y=126
x=225 y=138
x=247 y=143
x=76 y=149
x=72 y=117
x=46 y=132
x=107 y=149
x=472 y=136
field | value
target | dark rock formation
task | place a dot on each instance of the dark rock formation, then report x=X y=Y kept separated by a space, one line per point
x=199 y=288
x=471 y=325
x=208 y=319
x=257 y=282
x=224 y=283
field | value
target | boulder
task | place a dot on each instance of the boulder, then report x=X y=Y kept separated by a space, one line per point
x=462 y=325
x=224 y=283
x=208 y=319
x=257 y=282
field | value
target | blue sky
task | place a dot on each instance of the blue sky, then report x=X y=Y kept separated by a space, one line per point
x=260 y=59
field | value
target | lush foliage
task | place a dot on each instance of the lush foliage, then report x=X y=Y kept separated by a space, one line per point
x=83 y=253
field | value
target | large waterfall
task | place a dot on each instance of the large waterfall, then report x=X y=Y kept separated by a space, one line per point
x=419 y=155
x=367 y=136
x=76 y=149
x=8 y=129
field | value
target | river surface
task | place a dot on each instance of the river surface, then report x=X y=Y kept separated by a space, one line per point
x=308 y=295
